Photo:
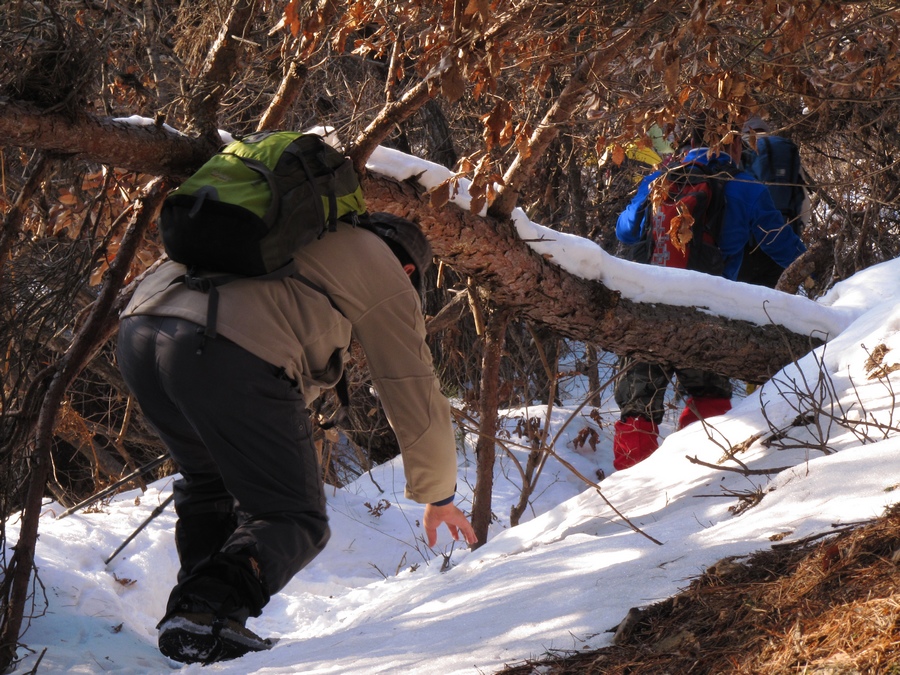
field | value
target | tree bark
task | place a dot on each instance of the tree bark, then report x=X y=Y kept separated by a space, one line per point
x=488 y=405
x=439 y=135
x=284 y=98
x=152 y=149
x=542 y=292
x=487 y=250
x=817 y=257
x=393 y=113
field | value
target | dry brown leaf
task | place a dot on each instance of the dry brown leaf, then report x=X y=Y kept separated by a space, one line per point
x=495 y=122
x=97 y=274
x=680 y=229
x=523 y=139
x=876 y=367
x=671 y=76
x=292 y=17
x=494 y=61
x=453 y=84
x=67 y=198
x=477 y=203
x=481 y=7
x=440 y=195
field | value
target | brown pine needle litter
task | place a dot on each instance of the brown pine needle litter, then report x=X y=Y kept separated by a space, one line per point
x=825 y=607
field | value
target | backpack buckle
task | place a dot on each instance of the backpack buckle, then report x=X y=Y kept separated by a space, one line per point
x=197 y=283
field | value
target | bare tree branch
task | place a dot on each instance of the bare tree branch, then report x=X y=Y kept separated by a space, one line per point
x=153 y=148
x=218 y=69
x=392 y=114
x=561 y=111
x=12 y=221
x=284 y=98
x=96 y=330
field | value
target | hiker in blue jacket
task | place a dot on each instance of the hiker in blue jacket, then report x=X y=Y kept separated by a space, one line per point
x=749 y=215
x=748 y=209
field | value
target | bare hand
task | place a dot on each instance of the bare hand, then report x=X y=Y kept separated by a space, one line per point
x=452 y=517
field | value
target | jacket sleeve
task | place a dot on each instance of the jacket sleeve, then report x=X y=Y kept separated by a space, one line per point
x=768 y=229
x=380 y=308
x=751 y=218
x=629 y=226
x=392 y=335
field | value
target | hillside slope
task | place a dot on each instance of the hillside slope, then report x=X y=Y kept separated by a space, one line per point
x=829 y=606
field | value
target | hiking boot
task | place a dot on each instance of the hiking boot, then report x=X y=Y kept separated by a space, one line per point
x=201 y=637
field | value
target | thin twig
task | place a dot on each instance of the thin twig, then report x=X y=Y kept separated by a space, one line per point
x=745 y=471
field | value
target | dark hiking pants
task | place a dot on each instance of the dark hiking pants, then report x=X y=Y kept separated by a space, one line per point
x=641 y=388
x=250 y=500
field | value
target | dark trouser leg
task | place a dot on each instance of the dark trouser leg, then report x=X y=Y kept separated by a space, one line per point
x=200 y=535
x=641 y=390
x=240 y=435
x=703 y=384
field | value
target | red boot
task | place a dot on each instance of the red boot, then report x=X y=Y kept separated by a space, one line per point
x=704 y=406
x=634 y=441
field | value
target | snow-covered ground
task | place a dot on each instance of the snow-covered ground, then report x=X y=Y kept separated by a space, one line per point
x=378 y=600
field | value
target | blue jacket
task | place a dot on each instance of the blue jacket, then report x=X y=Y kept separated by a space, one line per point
x=750 y=216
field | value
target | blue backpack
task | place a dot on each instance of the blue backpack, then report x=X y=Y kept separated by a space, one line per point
x=776 y=163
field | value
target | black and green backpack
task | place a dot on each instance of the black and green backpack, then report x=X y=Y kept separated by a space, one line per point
x=257 y=201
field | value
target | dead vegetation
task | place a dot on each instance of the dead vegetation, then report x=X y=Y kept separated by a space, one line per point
x=829 y=606
x=539 y=98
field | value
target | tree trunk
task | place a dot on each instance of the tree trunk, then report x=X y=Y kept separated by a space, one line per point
x=520 y=278
x=439 y=135
x=544 y=293
x=592 y=363
x=577 y=197
x=488 y=405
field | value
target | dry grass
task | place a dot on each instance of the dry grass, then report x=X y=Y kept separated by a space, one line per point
x=830 y=607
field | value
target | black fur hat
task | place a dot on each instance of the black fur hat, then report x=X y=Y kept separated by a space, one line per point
x=406 y=241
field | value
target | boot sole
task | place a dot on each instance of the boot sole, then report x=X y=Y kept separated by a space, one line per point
x=185 y=641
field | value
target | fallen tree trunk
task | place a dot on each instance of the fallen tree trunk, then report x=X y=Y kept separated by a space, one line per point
x=487 y=250
x=132 y=145
x=517 y=277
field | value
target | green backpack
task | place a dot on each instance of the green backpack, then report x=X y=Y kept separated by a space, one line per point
x=257 y=201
